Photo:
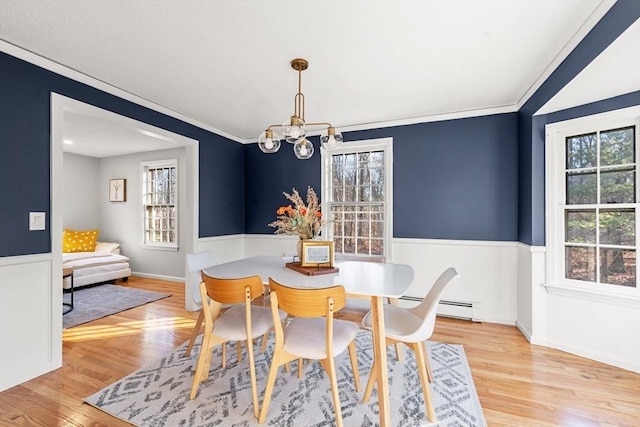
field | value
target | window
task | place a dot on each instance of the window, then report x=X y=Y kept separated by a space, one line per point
x=160 y=203
x=356 y=194
x=594 y=195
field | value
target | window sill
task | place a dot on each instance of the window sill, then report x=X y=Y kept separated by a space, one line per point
x=165 y=248
x=630 y=301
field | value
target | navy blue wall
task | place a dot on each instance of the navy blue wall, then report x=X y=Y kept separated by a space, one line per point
x=25 y=118
x=268 y=175
x=531 y=218
x=453 y=179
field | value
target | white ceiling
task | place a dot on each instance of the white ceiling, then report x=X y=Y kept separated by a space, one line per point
x=225 y=64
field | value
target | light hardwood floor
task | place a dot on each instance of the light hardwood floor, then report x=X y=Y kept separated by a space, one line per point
x=518 y=384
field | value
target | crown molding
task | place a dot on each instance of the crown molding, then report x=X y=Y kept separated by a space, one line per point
x=65 y=71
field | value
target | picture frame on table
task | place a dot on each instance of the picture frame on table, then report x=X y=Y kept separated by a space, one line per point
x=118 y=190
x=316 y=253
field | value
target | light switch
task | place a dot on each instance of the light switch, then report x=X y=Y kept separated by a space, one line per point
x=37 y=220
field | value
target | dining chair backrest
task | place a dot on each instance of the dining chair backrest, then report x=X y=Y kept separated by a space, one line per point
x=307 y=302
x=195 y=262
x=426 y=310
x=232 y=291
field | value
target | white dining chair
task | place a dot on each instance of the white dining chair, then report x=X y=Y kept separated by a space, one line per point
x=413 y=326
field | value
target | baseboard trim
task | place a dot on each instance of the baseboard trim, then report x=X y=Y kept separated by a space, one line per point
x=158 y=276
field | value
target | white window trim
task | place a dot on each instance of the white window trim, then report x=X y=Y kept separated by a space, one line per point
x=556 y=283
x=171 y=247
x=383 y=144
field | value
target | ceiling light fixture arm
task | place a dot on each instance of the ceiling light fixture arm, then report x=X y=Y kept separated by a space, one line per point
x=295 y=128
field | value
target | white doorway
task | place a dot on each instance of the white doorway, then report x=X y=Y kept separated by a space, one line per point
x=64 y=110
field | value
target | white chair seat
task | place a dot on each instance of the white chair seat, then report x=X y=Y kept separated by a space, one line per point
x=307 y=337
x=231 y=324
x=398 y=322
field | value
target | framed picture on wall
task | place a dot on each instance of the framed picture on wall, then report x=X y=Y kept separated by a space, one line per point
x=117 y=190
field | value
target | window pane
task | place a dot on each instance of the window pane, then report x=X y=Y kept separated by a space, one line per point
x=580 y=226
x=338 y=194
x=581 y=188
x=349 y=245
x=363 y=229
x=377 y=229
x=618 y=186
x=337 y=228
x=617 y=146
x=618 y=267
x=377 y=193
x=376 y=159
x=581 y=263
x=337 y=245
x=350 y=194
x=363 y=247
x=365 y=194
x=617 y=227
x=581 y=151
x=377 y=247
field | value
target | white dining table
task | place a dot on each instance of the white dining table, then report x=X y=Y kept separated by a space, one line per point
x=377 y=281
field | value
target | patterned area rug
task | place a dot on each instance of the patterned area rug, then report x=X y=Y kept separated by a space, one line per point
x=95 y=302
x=158 y=394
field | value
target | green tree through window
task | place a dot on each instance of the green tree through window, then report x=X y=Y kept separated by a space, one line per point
x=600 y=214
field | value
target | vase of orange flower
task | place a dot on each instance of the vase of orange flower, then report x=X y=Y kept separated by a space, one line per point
x=299 y=218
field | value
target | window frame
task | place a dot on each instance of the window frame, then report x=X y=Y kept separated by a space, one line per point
x=555 y=188
x=378 y=144
x=144 y=167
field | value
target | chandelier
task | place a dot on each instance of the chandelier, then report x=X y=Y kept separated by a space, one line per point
x=295 y=128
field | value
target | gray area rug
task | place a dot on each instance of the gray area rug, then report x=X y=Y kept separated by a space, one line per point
x=158 y=394
x=100 y=301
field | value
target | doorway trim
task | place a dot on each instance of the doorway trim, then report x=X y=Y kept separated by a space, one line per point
x=60 y=105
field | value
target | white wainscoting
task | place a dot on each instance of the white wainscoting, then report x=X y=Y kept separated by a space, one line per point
x=598 y=330
x=488 y=272
x=30 y=328
x=592 y=326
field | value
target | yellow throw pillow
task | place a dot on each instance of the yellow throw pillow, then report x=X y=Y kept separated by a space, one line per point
x=79 y=241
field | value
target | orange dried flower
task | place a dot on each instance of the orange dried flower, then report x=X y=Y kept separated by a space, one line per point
x=299 y=219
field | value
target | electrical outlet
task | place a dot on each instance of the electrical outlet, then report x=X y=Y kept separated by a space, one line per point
x=37 y=221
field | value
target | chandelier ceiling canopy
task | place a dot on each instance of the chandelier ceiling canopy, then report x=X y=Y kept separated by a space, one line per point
x=294 y=129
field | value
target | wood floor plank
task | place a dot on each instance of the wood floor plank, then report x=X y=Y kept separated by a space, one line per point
x=518 y=384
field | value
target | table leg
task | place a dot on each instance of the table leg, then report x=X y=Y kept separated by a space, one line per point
x=68 y=306
x=380 y=354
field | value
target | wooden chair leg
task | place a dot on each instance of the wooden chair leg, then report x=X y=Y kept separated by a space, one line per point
x=398 y=349
x=195 y=333
x=399 y=353
x=422 y=371
x=373 y=376
x=265 y=337
x=300 y=368
x=201 y=366
x=239 y=350
x=354 y=365
x=329 y=366
x=252 y=369
x=271 y=379
x=426 y=361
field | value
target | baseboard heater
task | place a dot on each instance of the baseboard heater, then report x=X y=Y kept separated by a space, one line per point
x=456 y=309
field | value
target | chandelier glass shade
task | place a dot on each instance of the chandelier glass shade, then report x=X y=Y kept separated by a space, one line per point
x=294 y=129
